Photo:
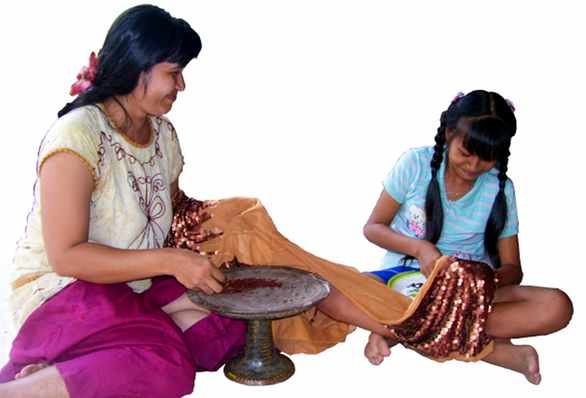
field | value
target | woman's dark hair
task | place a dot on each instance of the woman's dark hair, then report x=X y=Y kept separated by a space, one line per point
x=139 y=38
x=487 y=123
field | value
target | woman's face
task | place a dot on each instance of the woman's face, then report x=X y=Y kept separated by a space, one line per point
x=162 y=84
x=465 y=165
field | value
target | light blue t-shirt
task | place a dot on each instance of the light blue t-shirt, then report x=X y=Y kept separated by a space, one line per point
x=464 y=219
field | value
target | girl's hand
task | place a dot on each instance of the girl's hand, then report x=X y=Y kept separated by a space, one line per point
x=195 y=271
x=427 y=256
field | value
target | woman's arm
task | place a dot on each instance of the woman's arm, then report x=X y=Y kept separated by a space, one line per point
x=174 y=192
x=66 y=188
x=510 y=272
x=378 y=232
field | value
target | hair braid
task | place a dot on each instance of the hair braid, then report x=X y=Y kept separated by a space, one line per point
x=434 y=213
x=498 y=214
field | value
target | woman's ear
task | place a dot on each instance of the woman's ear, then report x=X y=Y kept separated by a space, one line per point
x=141 y=85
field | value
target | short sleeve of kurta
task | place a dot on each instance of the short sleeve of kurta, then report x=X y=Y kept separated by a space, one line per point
x=176 y=155
x=73 y=133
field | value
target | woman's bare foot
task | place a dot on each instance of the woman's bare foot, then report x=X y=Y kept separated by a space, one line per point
x=36 y=380
x=520 y=358
x=30 y=369
x=377 y=348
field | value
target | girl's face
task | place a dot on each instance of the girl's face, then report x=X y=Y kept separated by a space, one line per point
x=162 y=83
x=465 y=165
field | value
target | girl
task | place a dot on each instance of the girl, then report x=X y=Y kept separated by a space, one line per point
x=107 y=172
x=456 y=199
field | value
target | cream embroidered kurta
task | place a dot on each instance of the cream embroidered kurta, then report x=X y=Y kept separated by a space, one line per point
x=130 y=207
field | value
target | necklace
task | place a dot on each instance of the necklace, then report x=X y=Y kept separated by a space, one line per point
x=456 y=194
x=453 y=197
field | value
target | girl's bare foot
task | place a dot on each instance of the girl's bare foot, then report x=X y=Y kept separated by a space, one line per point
x=531 y=367
x=520 y=358
x=30 y=369
x=377 y=349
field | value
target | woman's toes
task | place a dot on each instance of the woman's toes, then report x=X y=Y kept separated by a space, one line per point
x=29 y=370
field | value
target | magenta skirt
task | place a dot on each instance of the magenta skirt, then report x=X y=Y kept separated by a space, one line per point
x=95 y=333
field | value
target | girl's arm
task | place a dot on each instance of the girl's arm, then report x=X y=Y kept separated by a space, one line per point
x=510 y=272
x=66 y=188
x=378 y=232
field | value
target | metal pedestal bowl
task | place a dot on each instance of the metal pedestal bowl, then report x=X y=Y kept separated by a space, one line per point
x=259 y=295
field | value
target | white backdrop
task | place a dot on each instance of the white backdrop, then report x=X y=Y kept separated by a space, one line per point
x=307 y=105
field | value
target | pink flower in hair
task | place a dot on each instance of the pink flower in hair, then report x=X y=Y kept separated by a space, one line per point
x=85 y=77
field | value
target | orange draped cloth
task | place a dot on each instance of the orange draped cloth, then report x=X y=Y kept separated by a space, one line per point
x=445 y=321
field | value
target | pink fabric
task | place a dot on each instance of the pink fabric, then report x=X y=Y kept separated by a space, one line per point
x=95 y=332
x=214 y=340
x=164 y=289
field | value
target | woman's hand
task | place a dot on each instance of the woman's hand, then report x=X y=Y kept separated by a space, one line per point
x=427 y=255
x=195 y=271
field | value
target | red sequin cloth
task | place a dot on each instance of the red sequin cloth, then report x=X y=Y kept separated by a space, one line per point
x=451 y=316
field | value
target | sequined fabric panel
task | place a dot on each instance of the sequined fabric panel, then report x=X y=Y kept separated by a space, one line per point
x=452 y=316
x=188 y=215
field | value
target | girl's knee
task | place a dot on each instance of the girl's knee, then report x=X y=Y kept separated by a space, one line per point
x=561 y=308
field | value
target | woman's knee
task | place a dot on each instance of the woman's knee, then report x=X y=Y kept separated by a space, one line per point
x=8 y=372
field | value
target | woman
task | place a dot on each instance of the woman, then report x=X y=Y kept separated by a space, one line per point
x=95 y=293
x=107 y=171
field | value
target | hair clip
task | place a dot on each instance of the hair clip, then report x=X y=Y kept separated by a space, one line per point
x=458 y=97
x=511 y=105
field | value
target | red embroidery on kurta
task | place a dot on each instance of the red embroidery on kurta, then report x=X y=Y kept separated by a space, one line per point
x=145 y=186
